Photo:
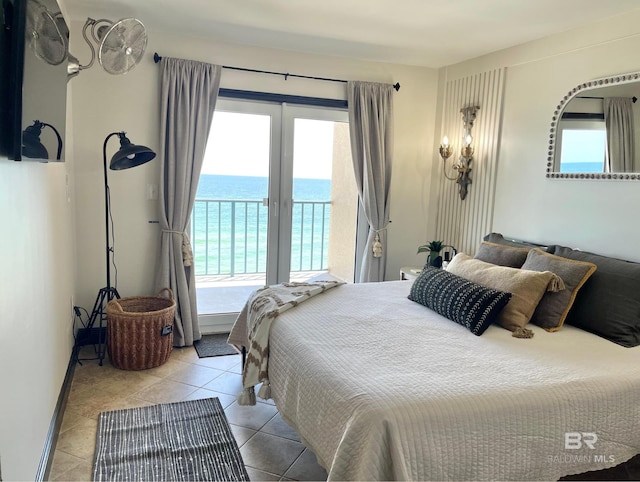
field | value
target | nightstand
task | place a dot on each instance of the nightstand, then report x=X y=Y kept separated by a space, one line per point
x=410 y=272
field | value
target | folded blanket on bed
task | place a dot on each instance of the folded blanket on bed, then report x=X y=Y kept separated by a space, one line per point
x=251 y=330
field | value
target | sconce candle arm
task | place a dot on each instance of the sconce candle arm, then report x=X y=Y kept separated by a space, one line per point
x=454 y=167
x=445 y=153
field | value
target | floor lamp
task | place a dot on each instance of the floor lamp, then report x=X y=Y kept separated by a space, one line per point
x=129 y=155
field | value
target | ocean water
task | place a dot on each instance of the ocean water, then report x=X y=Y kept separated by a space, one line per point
x=230 y=209
x=256 y=188
x=581 y=167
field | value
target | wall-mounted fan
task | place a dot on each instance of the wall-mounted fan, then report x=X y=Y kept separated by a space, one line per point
x=46 y=33
x=121 y=45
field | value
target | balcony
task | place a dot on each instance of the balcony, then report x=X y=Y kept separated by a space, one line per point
x=229 y=239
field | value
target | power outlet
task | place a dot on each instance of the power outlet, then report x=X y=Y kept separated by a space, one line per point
x=68 y=187
x=152 y=192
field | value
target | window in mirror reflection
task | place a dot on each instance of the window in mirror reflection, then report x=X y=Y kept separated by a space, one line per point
x=583 y=146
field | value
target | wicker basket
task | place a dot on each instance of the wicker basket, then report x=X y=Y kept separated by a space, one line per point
x=140 y=330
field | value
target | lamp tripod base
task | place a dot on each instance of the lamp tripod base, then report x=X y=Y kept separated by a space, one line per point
x=99 y=314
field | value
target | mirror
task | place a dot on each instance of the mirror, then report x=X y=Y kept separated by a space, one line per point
x=33 y=80
x=595 y=131
x=44 y=83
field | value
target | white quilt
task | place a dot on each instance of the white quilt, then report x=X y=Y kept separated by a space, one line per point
x=382 y=388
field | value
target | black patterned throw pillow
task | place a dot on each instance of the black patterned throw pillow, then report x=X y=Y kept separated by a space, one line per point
x=463 y=301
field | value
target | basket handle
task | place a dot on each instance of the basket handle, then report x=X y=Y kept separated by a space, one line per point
x=117 y=305
x=168 y=290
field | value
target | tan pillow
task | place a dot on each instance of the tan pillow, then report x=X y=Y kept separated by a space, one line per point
x=527 y=287
x=502 y=255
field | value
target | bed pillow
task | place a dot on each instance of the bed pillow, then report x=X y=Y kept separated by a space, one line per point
x=502 y=254
x=554 y=307
x=465 y=302
x=609 y=302
x=526 y=287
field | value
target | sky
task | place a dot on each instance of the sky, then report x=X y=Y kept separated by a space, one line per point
x=583 y=145
x=239 y=146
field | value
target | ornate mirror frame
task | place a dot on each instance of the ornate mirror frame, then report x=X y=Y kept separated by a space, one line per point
x=555 y=120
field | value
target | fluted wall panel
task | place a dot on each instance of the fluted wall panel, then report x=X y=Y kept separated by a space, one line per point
x=463 y=223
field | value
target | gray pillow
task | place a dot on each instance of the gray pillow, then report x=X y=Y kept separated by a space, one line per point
x=554 y=307
x=609 y=303
x=502 y=254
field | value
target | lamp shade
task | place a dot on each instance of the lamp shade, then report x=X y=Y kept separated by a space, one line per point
x=130 y=155
x=31 y=145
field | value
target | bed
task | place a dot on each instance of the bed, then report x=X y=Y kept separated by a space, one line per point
x=381 y=388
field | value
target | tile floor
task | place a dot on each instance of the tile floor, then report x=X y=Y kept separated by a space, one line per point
x=271 y=449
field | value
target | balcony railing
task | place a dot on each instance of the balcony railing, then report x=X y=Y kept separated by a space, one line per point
x=229 y=236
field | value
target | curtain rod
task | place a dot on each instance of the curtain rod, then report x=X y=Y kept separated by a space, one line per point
x=157 y=58
x=634 y=99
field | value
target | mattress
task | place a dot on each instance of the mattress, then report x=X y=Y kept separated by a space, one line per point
x=382 y=388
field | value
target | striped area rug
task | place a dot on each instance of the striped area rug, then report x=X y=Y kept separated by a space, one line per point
x=173 y=441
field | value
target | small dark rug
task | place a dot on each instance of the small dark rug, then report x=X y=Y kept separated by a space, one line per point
x=173 y=441
x=214 y=345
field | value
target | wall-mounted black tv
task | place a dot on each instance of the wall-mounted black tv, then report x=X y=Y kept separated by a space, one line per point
x=33 y=80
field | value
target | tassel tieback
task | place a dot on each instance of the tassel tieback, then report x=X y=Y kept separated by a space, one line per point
x=377 y=247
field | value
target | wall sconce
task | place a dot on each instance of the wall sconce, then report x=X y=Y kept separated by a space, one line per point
x=463 y=167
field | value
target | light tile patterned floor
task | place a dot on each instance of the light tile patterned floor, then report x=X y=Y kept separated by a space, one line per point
x=271 y=449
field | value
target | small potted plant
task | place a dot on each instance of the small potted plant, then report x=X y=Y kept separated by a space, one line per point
x=433 y=248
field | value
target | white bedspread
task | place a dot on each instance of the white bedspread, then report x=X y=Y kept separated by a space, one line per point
x=382 y=388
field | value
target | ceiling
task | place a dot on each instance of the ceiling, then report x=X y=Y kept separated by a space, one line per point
x=431 y=33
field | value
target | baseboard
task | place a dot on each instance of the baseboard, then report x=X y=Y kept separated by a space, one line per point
x=49 y=450
x=91 y=336
x=210 y=324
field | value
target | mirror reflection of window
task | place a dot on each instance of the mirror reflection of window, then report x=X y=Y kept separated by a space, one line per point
x=583 y=146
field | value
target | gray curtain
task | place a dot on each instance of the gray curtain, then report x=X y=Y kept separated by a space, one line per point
x=618 y=118
x=189 y=94
x=371 y=132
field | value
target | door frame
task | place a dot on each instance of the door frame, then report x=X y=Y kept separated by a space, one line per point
x=289 y=114
x=280 y=195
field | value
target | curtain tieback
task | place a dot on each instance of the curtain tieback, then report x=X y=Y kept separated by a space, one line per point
x=187 y=252
x=377 y=244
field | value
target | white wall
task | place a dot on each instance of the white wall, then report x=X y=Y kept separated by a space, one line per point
x=591 y=215
x=104 y=103
x=36 y=280
x=37 y=266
